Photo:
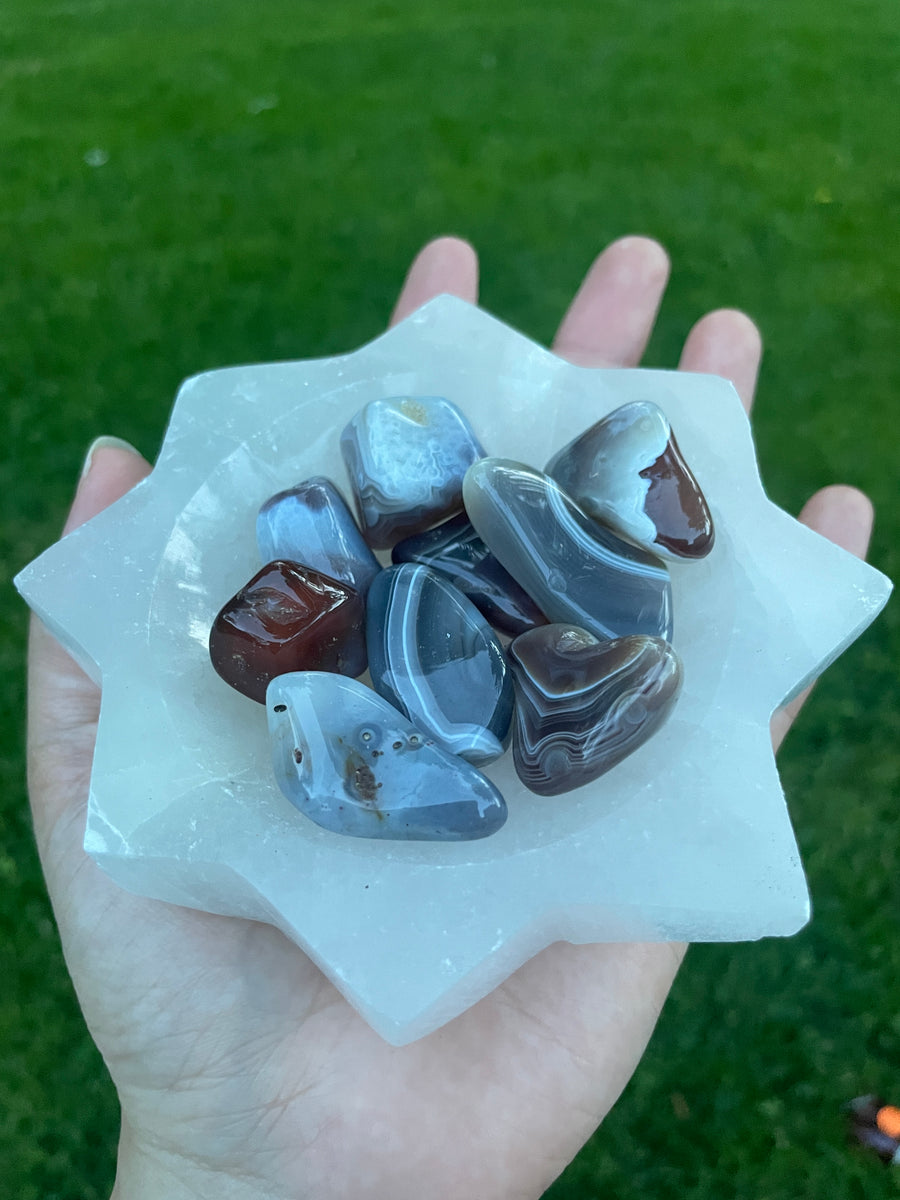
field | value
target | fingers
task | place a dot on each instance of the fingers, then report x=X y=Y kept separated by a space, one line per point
x=726 y=343
x=446 y=265
x=845 y=516
x=842 y=514
x=611 y=318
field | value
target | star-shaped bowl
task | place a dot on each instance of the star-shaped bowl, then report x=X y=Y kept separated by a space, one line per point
x=689 y=838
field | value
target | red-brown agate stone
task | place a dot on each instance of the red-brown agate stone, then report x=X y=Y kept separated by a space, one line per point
x=288 y=618
x=676 y=505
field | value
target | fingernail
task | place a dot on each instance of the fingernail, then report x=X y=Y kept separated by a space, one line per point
x=101 y=443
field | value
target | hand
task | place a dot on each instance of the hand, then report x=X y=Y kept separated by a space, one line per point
x=240 y=1070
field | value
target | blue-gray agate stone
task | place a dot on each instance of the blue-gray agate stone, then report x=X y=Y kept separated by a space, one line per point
x=406 y=457
x=311 y=524
x=434 y=656
x=456 y=550
x=353 y=764
x=574 y=569
x=583 y=705
x=628 y=472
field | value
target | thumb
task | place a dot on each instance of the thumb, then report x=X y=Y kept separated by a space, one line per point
x=111 y=468
x=63 y=703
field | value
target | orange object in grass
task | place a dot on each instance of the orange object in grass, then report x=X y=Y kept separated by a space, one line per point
x=888 y=1120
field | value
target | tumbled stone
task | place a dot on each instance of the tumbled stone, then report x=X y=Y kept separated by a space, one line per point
x=406 y=457
x=288 y=618
x=456 y=550
x=354 y=765
x=628 y=472
x=311 y=524
x=434 y=656
x=583 y=705
x=574 y=569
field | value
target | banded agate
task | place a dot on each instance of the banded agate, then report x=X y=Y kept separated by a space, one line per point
x=406 y=457
x=435 y=658
x=583 y=705
x=575 y=570
x=456 y=550
x=627 y=472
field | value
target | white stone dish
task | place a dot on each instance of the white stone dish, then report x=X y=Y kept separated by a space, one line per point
x=689 y=838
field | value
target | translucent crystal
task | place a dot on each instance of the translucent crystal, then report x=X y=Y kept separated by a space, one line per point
x=689 y=837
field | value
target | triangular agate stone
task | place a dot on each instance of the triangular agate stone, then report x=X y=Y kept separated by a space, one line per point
x=584 y=705
x=355 y=765
x=627 y=472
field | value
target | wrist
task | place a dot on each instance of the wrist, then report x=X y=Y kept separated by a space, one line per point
x=145 y=1172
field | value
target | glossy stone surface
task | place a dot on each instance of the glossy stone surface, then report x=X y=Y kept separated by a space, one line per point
x=406 y=457
x=287 y=618
x=434 y=656
x=584 y=705
x=575 y=570
x=354 y=765
x=456 y=550
x=627 y=472
x=311 y=524
x=183 y=804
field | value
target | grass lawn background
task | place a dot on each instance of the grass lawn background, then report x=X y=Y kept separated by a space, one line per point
x=192 y=185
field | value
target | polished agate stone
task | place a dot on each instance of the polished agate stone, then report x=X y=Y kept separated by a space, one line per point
x=354 y=765
x=287 y=618
x=584 y=705
x=573 y=568
x=456 y=550
x=311 y=524
x=434 y=656
x=628 y=472
x=406 y=458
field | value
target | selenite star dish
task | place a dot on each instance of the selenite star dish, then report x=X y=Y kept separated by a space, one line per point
x=687 y=838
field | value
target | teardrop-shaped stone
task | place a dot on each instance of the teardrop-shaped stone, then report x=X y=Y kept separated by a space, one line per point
x=456 y=550
x=574 y=569
x=583 y=705
x=288 y=618
x=354 y=765
x=435 y=658
x=406 y=457
x=627 y=472
x=311 y=524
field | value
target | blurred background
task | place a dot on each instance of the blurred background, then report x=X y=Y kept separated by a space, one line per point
x=191 y=185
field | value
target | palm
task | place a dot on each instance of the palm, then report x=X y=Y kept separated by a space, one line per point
x=232 y=1052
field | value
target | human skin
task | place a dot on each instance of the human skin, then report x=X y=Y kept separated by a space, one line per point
x=240 y=1070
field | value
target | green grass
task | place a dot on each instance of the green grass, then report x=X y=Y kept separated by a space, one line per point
x=264 y=175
